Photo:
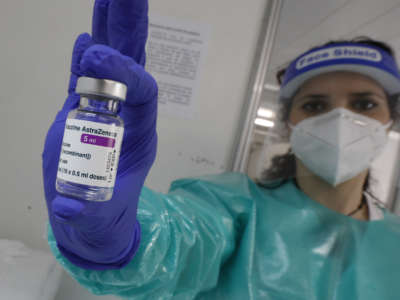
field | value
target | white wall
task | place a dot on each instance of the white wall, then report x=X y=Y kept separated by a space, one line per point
x=205 y=143
x=37 y=39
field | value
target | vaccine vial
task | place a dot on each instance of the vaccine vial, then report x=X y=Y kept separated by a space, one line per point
x=92 y=140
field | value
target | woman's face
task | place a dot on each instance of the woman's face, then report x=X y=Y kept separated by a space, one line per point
x=353 y=91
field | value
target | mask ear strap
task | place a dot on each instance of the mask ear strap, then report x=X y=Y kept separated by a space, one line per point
x=386 y=126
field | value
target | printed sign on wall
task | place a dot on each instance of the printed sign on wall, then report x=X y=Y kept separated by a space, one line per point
x=175 y=51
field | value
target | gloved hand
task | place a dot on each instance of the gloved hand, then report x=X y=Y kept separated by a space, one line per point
x=105 y=235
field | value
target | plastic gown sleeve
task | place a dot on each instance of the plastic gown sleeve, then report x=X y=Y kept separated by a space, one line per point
x=187 y=235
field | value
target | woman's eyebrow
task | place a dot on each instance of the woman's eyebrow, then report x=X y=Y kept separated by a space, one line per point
x=315 y=95
x=366 y=94
x=358 y=94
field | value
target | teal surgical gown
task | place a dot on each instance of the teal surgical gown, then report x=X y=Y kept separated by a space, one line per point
x=224 y=237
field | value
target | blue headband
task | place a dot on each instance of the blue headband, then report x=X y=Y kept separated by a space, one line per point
x=366 y=60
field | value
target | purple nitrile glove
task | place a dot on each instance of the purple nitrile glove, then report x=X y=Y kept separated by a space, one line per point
x=105 y=235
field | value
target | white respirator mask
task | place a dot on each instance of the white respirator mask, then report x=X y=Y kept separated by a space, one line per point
x=338 y=145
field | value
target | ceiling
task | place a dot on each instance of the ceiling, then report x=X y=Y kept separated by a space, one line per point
x=307 y=23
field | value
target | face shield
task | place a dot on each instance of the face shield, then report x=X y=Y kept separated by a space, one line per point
x=332 y=117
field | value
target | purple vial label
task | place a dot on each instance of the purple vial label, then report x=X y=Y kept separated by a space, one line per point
x=97 y=140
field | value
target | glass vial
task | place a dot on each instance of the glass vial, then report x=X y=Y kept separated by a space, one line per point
x=92 y=141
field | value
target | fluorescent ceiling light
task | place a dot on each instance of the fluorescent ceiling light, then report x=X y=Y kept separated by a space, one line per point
x=264 y=123
x=266 y=113
x=272 y=87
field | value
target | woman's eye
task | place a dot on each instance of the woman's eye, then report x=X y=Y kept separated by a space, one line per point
x=314 y=106
x=364 y=104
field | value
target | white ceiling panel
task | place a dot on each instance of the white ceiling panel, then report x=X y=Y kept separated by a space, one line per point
x=300 y=17
x=304 y=24
x=385 y=27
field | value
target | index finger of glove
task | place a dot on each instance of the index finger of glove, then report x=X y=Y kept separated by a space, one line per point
x=100 y=61
x=128 y=27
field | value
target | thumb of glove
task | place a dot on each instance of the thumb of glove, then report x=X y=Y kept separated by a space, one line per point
x=65 y=210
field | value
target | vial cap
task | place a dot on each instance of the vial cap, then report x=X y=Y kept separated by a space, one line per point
x=104 y=88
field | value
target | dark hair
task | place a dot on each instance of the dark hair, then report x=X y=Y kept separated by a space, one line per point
x=283 y=167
